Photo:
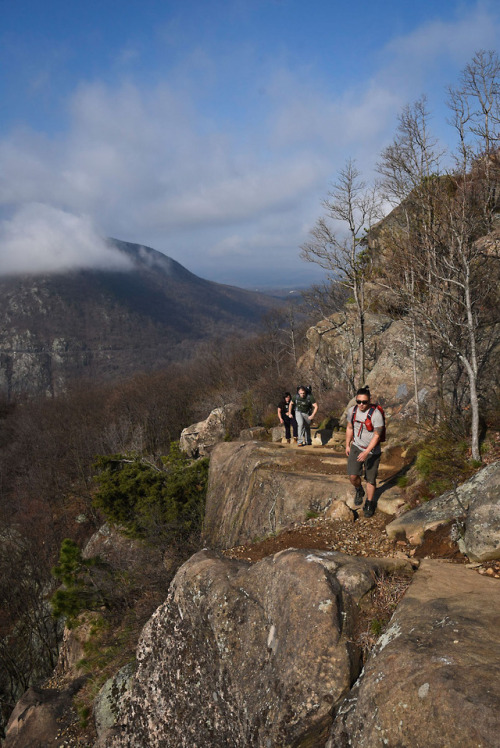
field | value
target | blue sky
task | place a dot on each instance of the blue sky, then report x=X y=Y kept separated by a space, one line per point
x=210 y=130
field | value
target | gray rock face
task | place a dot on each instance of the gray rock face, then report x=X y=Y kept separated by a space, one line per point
x=245 y=656
x=482 y=526
x=107 y=705
x=478 y=499
x=256 y=433
x=256 y=489
x=199 y=439
x=433 y=679
x=389 y=358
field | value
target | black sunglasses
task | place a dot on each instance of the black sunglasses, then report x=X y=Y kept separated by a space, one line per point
x=362 y=402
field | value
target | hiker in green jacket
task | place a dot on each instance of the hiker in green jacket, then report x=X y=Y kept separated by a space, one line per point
x=305 y=409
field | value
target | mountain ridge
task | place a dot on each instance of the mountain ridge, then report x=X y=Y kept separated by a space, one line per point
x=108 y=324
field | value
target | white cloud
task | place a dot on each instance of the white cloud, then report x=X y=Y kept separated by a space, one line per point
x=230 y=246
x=42 y=239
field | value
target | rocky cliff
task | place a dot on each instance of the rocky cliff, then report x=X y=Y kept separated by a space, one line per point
x=329 y=359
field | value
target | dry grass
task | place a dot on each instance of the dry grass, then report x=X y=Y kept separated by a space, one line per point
x=378 y=609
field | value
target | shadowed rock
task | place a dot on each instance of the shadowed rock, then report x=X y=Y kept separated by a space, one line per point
x=256 y=489
x=40 y=717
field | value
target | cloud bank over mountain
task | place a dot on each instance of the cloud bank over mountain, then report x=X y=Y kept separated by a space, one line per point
x=41 y=239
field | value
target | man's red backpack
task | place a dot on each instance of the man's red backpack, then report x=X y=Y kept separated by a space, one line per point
x=368 y=422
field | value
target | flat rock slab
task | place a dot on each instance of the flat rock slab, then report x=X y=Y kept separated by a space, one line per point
x=257 y=489
x=433 y=679
x=248 y=656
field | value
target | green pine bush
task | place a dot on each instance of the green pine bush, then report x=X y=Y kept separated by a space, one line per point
x=79 y=590
x=160 y=504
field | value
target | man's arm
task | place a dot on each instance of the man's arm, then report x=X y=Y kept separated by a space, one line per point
x=314 y=411
x=349 y=434
x=279 y=415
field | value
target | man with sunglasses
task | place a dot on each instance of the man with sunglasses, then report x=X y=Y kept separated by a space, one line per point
x=362 y=447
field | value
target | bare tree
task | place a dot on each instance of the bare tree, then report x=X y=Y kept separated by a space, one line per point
x=351 y=209
x=448 y=275
x=409 y=168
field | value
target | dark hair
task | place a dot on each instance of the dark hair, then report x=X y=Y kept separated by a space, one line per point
x=363 y=391
x=287 y=394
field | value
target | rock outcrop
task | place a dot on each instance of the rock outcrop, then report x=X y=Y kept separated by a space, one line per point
x=389 y=359
x=108 y=704
x=199 y=439
x=247 y=655
x=255 y=489
x=477 y=502
x=433 y=678
x=41 y=716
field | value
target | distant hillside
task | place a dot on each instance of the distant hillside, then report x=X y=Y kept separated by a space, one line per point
x=109 y=324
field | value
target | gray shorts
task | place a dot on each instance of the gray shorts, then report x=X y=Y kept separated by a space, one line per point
x=370 y=465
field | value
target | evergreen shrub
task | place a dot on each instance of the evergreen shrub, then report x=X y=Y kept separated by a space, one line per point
x=159 y=503
x=79 y=590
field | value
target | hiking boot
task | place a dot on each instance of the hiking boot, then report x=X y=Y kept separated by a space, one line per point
x=360 y=495
x=369 y=509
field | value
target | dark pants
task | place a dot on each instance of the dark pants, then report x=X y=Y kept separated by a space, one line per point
x=290 y=421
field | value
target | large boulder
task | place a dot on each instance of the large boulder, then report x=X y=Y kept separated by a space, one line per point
x=41 y=717
x=199 y=439
x=433 y=678
x=478 y=500
x=255 y=489
x=482 y=525
x=245 y=655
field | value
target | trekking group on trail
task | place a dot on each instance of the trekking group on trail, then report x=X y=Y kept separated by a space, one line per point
x=365 y=430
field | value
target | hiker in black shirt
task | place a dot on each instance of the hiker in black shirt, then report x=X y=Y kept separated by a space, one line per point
x=285 y=419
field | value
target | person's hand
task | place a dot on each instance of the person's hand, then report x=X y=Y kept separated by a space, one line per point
x=281 y=420
x=347 y=449
x=362 y=456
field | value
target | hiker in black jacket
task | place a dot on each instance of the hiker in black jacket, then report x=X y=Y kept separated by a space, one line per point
x=287 y=420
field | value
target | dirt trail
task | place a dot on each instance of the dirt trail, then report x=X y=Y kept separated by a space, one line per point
x=363 y=536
